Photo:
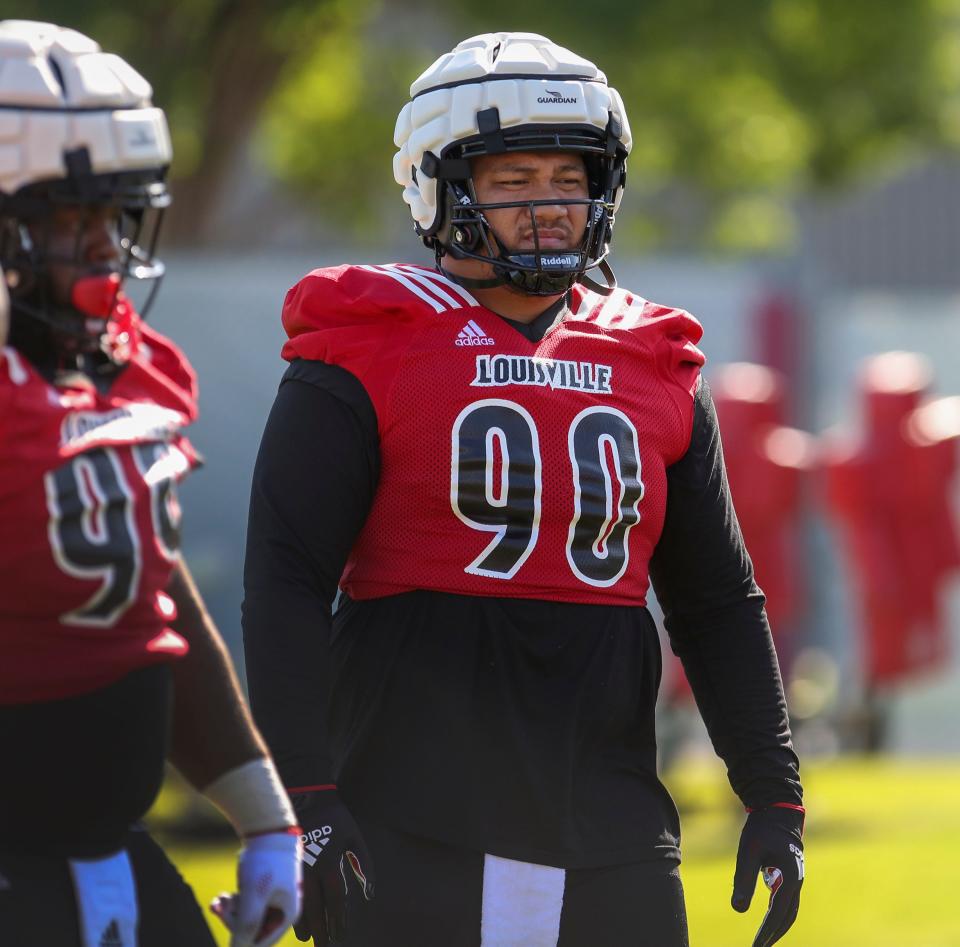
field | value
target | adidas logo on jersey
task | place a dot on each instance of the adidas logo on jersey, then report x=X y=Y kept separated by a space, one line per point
x=472 y=334
x=313 y=843
x=111 y=936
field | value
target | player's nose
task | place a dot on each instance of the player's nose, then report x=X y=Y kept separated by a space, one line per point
x=546 y=211
x=99 y=241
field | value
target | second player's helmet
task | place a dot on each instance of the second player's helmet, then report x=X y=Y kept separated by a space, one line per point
x=78 y=135
x=503 y=92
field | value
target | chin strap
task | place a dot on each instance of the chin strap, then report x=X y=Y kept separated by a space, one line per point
x=510 y=278
x=99 y=321
x=608 y=275
x=467 y=282
x=530 y=283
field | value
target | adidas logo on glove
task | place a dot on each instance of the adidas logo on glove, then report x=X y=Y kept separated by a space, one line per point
x=312 y=843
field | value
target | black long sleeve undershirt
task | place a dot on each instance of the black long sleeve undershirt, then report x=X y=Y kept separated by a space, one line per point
x=314 y=481
x=320 y=442
x=714 y=615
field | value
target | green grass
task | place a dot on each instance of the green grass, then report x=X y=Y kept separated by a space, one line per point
x=882 y=843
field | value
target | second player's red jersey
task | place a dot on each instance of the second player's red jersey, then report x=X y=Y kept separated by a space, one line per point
x=89 y=520
x=509 y=467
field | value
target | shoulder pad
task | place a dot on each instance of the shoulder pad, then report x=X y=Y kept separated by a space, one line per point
x=624 y=310
x=164 y=361
x=367 y=297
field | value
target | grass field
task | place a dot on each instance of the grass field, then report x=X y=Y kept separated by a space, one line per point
x=882 y=841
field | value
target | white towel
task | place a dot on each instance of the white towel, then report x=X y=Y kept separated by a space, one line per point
x=106 y=901
x=521 y=903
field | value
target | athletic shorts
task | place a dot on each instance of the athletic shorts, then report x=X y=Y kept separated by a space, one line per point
x=429 y=894
x=38 y=906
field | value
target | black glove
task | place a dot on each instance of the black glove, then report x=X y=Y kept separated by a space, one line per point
x=335 y=861
x=771 y=842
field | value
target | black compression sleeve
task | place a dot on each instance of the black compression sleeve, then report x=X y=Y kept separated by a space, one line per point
x=714 y=615
x=313 y=484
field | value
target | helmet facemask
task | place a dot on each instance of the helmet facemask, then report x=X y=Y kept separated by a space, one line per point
x=64 y=306
x=466 y=233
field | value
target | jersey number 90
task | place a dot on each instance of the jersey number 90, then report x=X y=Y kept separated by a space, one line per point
x=496 y=484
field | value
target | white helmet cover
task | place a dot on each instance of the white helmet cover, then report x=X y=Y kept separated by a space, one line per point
x=58 y=93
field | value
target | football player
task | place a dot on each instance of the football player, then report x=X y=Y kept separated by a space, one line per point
x=490 y=459
x=110 y=662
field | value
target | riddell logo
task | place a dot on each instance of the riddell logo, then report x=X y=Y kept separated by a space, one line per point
x=556 y=98
x=569 y=259
x=472 y=334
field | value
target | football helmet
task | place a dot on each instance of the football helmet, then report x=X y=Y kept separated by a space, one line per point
x=502 y=92
x=79 y=139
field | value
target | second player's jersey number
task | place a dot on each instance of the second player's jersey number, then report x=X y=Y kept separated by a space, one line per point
x=93 y=528
x=496 y=486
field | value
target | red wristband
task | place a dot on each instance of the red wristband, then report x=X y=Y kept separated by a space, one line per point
x=286 y=830
x=780 y=805
x=312 y=788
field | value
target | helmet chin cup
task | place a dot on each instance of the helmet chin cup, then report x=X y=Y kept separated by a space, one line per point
x=538 y=284
x=96 y=295
x=544 y=274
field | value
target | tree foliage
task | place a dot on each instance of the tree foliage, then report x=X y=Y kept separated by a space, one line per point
x=737 y=106
x=212 y=65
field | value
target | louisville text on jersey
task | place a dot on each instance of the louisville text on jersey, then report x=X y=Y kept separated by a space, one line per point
x=495 y=371
x=132 y=423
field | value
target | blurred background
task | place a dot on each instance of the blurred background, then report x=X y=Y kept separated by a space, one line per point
x=795 y=183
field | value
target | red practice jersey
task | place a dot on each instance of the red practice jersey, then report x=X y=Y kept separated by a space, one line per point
x=89 y=520
x=509 y=467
